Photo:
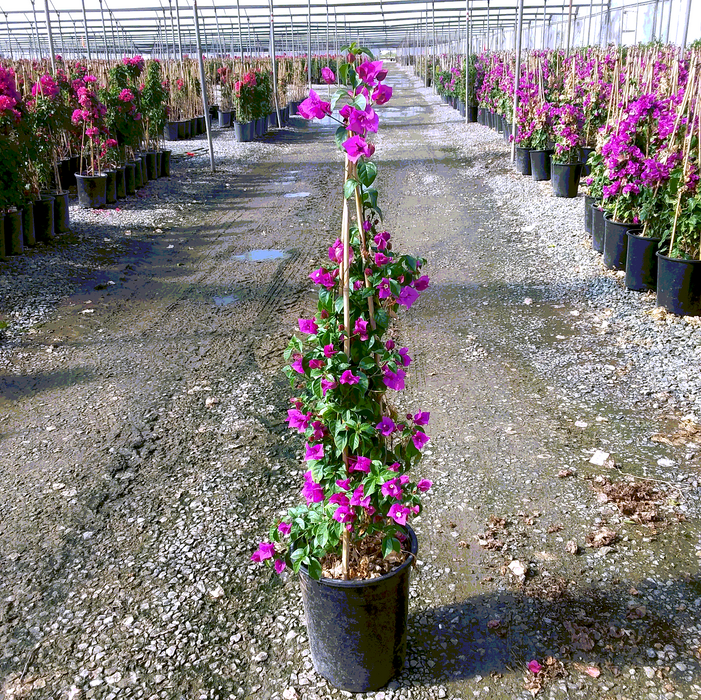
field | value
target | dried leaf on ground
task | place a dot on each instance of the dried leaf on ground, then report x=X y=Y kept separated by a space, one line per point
x=685 y=432
x=572 y=547
x=549 y=671
x=635 y=498
x=592 y=671
x=601 y=538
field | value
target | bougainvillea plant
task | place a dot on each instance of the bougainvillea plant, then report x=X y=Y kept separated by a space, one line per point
x=358 y=491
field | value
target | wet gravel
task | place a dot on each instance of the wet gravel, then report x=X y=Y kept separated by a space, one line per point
x=144 y=451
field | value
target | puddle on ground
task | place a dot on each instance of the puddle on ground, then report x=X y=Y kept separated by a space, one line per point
x=297 y=194
x=262 y=255
x=225 y=301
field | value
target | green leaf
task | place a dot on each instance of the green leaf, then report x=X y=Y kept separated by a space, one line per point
x=360 y=101
x=336 y=97
x=349 y=187
x=390 y=544
x=367 y=172
x=340 y=136
x=368 y=53
x=339 y=305
x=315 y=569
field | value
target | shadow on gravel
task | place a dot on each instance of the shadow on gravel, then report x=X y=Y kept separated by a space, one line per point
x=14 y=387
x=612 y=628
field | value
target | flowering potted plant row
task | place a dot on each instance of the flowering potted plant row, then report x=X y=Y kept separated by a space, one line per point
x=350 y=541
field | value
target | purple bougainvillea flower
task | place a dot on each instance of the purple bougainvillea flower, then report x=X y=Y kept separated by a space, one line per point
x=421 y=283
x=407 y=296
x=420 y=439
x=343 y=484
x=312 y=492
x=343 y=514
x=284 y=528
x=534 y=667
x=386 y=426
x=382 y=93
x=323 y=277
x=424 y=485
x=349 y=378
x=327 y=384
x=315 y=364
x=297 y=364
x=279 y=566
x=266 y=550
x=391 y=488
x=389 y=344
x=406 y=359
x=327 y=75
x=345 y=111
x=384 y=290
x=398 y=513
x=297 y=419
x=359 y=498
x=394 y=380
x=368 y=71
x=318 y=430
x=329 y=351
x=381 y=259
x=359 y=464
x=422 y=417
x=394 y=467
x=308 y=325
x=362 y=121
x=367 y=225
x=339 y=499
x=357 y=146
x=314 y=452
x=313 y=107
x=361 y=328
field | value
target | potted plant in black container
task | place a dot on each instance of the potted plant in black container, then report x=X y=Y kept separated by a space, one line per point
x=541 y=135
x=566 y=166
x=351 y=541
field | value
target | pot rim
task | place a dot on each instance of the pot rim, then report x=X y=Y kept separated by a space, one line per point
x=633 y=234
x=607 y=216
x=365 y=582
x=682 y=260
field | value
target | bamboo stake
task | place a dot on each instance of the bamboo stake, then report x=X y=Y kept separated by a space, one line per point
x=364 y=251
x=345 y=240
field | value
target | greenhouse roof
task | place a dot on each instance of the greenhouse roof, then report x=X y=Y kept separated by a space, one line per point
x=127 y=26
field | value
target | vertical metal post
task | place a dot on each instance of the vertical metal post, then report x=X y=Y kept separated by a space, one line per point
x=85 y=26
x=467 y=58
x=104 y=30
x=216 y=21
x=517 y=77
x=61 y=45
x=180 y=36
x=608 y=22
x=203 y=86
x=309 y=43
x=51 y=36
x=36 y=30
x=335 y=26
x=669 y=21
x=488 y=23
x=569 y=29
x=433 y=47
x=114 y=36
x=273 y=60
x=591 y=19
x=238 y=16
x=687 y=13
x=172 y=27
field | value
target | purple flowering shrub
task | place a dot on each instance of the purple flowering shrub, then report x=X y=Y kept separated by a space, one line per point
x=358 y=451
x=568 y=121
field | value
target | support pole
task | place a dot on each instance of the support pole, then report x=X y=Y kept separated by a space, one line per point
x=273 y=60
x=104 y=31
x=203 y=86
x=517 y=76
x=467 y=58
x=591 y=18
x=36 y=29
x=433 y=52
x=569 y=29
x=85 y=26
x=687 y=13
x=51 y=36
x=180 y=35
x=669 y=21
x=238 y=15
x=309 y=43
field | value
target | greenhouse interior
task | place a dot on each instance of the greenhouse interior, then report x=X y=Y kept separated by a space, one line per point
x=350 y=349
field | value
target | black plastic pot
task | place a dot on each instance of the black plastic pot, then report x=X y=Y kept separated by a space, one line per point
x=144 y=168
x=586 y=169
x=45 y=218
x=170 y=133
x=130 y=177
x=540 y=164
x=184 y=129
x=65 y=173
x=121 y=183
x=28 y=224
x=75 y=169
x=224 y=119
x=201 y=127
x=507 y=126
x=616 y=243
x=62 y=214
x=588 y=214
x=565 y=179
x=293 y=107
x=243 y=132
x=358 y=629
x=165 y=164
x=2 y=237
x=679 y=285
x=598 y=229
x=151 y=165
x=480 y=116
x=641 y=263
x=111 y=188
x=523 y=160
x=193 y=126
x=14 y=237
x=460 y=106
x=92 y=192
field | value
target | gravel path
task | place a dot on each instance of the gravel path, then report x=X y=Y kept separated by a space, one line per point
x=144 y=452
